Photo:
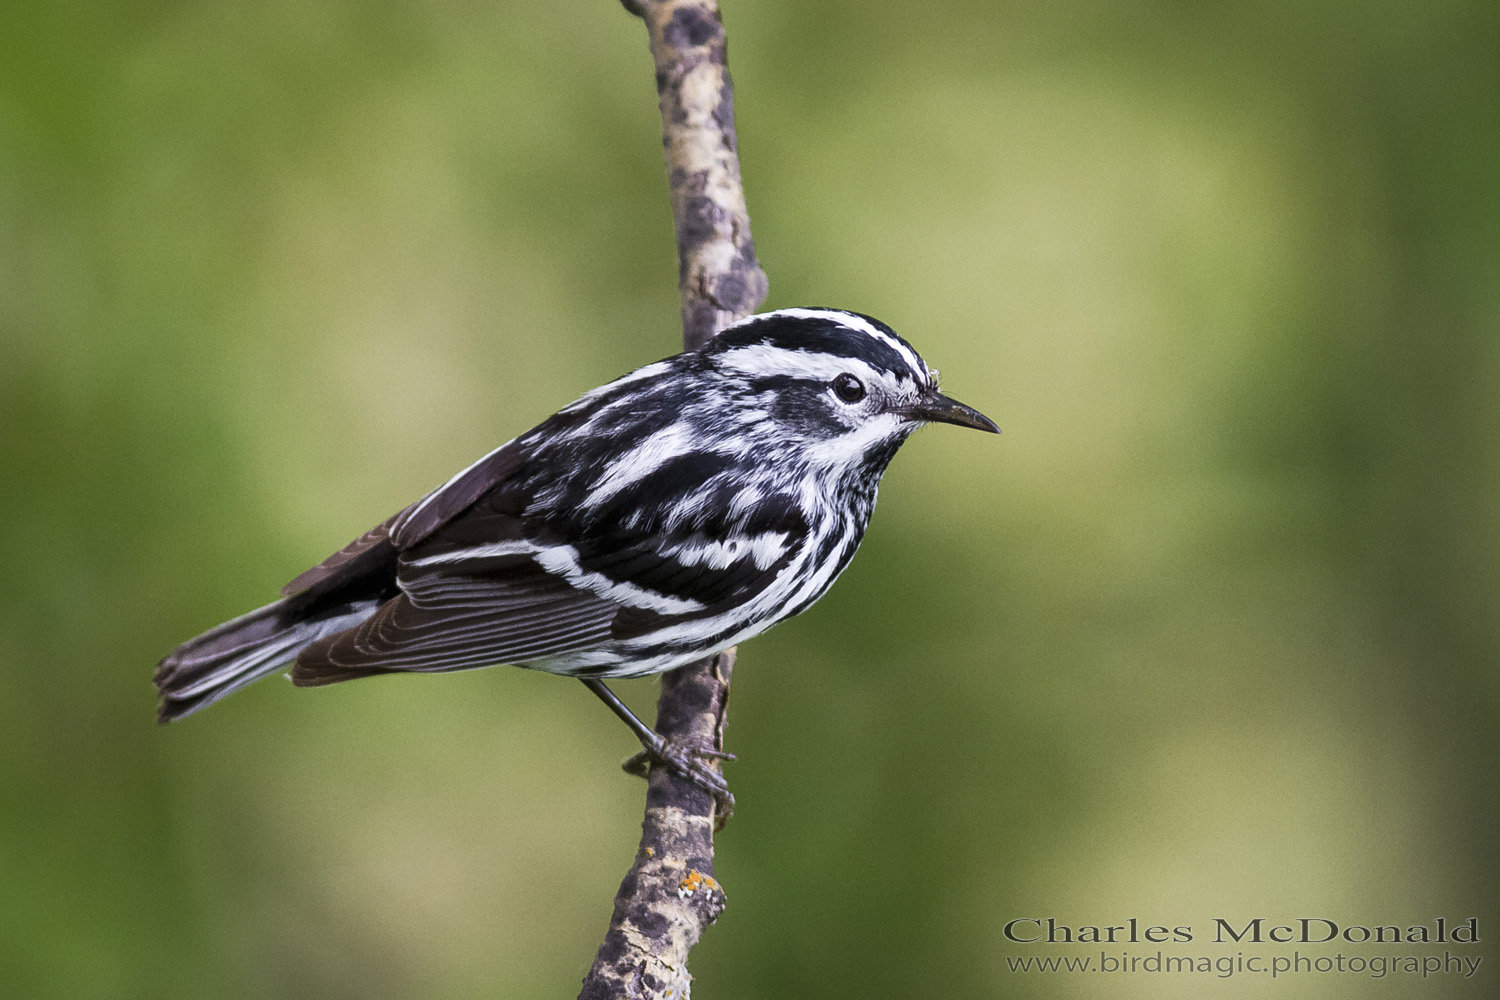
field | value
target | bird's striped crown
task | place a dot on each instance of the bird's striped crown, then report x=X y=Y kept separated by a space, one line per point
x=814 y=342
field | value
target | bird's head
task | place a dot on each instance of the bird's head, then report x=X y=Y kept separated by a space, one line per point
x=845 y=386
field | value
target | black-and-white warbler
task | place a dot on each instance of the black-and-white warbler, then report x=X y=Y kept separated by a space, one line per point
x=659 y=519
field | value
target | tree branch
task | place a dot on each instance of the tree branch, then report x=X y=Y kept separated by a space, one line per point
x=669 y=895
x=718 y=275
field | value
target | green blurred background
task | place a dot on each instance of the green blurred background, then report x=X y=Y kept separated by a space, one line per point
x=1211 y=631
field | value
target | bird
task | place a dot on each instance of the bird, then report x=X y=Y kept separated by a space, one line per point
x=660 y=519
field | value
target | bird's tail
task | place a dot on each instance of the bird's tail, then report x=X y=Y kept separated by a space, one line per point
x=224 y=659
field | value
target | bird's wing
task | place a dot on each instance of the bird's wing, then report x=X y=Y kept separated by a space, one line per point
x=367 y=556
x=474 y=592
x=510 y=610
x=418 y=522
x=375 y=551
x=480 y=592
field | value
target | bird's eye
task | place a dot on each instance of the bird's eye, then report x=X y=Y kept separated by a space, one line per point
x=848 y=388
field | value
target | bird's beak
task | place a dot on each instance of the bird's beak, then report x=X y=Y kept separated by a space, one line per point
x=940 y=409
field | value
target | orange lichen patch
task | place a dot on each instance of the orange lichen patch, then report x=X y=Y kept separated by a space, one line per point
x=693 y=881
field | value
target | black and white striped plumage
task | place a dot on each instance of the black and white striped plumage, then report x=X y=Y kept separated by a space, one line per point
x=661 y=518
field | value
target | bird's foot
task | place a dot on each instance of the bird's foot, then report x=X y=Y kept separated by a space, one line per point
x=690 y=761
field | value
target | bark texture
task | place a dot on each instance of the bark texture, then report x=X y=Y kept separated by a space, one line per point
x=670 y=896
x=718 y=275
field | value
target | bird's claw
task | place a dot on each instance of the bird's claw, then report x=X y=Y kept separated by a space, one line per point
x=690 y=762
